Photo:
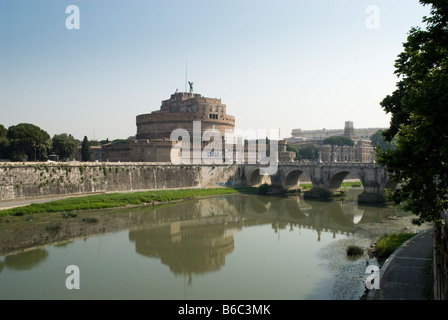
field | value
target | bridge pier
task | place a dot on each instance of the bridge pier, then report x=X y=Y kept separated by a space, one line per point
x=371 y=198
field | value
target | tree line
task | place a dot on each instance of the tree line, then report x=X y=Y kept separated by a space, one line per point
x=28 y=142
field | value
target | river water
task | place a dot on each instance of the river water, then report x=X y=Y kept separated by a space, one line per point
x=227 y=247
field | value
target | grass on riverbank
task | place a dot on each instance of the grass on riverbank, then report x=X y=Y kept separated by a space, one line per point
x=115 y=200
x=345 y=185
x=387 y=244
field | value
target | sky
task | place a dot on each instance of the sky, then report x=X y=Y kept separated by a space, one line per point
x=277 y=65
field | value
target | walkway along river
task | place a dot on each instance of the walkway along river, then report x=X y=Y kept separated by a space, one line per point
x=226 y=247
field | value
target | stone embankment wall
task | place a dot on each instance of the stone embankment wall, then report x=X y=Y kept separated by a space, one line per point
x=29 y=180
x=440 y=262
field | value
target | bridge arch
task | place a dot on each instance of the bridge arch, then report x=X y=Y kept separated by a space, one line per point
x=255 y=178
x=293 y=177
x=337 y=178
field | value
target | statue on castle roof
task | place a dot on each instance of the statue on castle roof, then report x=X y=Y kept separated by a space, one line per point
x=191 y=86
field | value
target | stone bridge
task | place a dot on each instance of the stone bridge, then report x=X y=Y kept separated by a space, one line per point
x=326 y=178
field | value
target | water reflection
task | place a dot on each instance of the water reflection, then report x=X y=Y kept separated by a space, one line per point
x=253 y=235
x=199 y=234
x=25 y=260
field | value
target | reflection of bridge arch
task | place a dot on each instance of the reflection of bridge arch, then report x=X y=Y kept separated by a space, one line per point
x=337 y=179
x=259 y=204
x=255 y=178
x=292 y=207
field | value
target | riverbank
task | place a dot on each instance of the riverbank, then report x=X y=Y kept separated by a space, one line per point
x=45 y=223
x=117 y=200
x=350 y=272
x=63 y=220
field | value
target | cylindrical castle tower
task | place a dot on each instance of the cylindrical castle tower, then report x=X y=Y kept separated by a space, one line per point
x=179 y=112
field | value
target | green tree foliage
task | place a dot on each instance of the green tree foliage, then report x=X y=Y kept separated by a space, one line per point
x=309 y=152
x=99 y=143
x=4 y=143
x=28 y=142
x=338 y=141
x=64 y=145
x=3 y=131
x=264 y=188
x=293 y=148
x=85 y=150
x=419 y=110
x=378 y=141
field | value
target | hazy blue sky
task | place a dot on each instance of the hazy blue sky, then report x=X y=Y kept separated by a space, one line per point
x=276 y=64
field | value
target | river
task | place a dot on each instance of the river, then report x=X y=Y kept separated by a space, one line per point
x=226 y=247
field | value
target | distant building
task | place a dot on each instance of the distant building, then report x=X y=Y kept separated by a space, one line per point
x=283 y=155
x=299 y=136
x=96 y=154
x=362 y=151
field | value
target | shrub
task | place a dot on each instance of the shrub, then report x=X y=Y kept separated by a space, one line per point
x=354 y=251
x=264 y=188
x=387 y=244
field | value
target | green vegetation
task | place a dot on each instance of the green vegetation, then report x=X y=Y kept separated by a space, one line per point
x=4 y=143
x=419 y=117
x=64 y=145
x=387 y=244
x=345 y=185
x=354 y=251
x=85 y=150
x=114 y=200
x=339 y=141
x=54 y=228
x=25 y=141
x=69 y=214
x=379 y=141
x=264 y=188
x=293 y=148
x=309 y=152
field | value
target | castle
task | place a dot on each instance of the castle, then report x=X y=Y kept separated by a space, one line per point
x=153 y=143
x=179 y=112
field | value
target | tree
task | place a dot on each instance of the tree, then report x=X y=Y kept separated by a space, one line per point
x=419 y=110
x=4 y=143
x=64 y=145
x=379 y=141
x=293 y=148
x=28 y=142
x=85 y=150
x=339 y=141
x=309 y=152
